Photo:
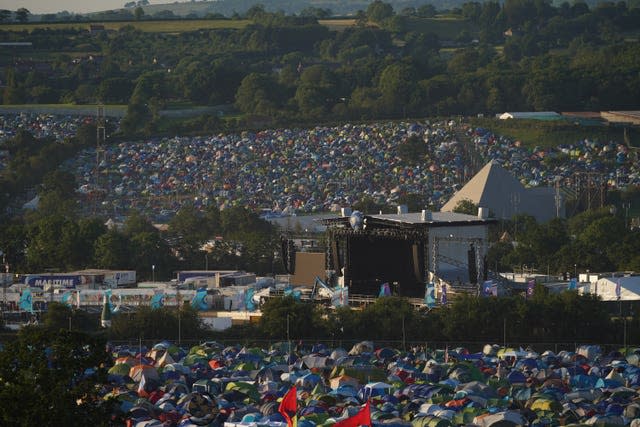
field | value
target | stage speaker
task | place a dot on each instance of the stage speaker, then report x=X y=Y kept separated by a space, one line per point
x=289 y=255
x=473 y=270
x=417 y=264
x=335 y=257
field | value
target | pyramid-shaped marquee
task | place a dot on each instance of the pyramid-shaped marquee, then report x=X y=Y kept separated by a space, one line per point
x=496 y=189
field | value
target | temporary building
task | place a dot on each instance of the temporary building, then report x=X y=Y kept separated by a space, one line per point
x=625 y=288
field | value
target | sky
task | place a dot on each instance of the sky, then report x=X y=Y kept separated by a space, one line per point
x=37 y=7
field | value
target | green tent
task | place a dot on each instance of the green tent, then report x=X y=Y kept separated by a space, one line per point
x=248 y=389
x=121 y=369
x=431 y=421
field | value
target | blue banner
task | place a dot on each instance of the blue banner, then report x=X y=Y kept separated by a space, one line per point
x=66 y=299
x=289 y=292
x=430 y=295
x=248 y=299
x=57 y=281
x=198 y=302
x=26 y=300
x=157 y=301
x=443 y=295
x=385 y=291
x=486 y=288
x=573 y=284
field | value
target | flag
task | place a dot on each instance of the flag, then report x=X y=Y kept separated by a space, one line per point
x=289 y=407
x=157 y=301
x=26 y=300
x=443 y=296
x=618 y=289
x=494 y=289
x=430 y=295
x=66 y=299
x=108 y=295
x=248 y=299
x=384 y=290
x=141 y=387
x=198 y=302
x=340 y=297
x=530 y=287
x=573 y=283
x=486 y=288
x=362 y=418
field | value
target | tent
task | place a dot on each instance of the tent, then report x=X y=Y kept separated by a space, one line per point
x=343 y=380
x=375 y=389
x=500 y=419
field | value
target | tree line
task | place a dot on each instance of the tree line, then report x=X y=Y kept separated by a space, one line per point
x=542 y=318
x=516 y=55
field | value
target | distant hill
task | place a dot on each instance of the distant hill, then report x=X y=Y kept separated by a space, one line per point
x=230 y=7
x=338 y=7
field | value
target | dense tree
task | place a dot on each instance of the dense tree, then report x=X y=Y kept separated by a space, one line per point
x=158 y=324
x=55 y=374
x=378 y=11
x=257 y=94
x=112 y=250
x=398 y=88
x=22 y=15
x=284 y=318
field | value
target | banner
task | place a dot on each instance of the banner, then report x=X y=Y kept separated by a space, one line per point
x=385 y=291
x=531 y=284
x=157 y=301
x=573 y=284
x=26 y=300
x=430 y=295
x=340 y=297
x=198 y=302
x=618 y=289
x=443 y=295
x=66 y=298
x=486 y=288
x=248 y=299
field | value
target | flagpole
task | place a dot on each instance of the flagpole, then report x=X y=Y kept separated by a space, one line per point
x=504 y=332
x=288 y=343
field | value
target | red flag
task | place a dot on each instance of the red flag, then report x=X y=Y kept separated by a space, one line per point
x=362 y=418
x=289 y=407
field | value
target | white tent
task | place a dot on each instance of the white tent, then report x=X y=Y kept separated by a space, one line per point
x=607 y=288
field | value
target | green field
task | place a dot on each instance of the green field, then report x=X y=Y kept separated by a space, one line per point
x=447 y=28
